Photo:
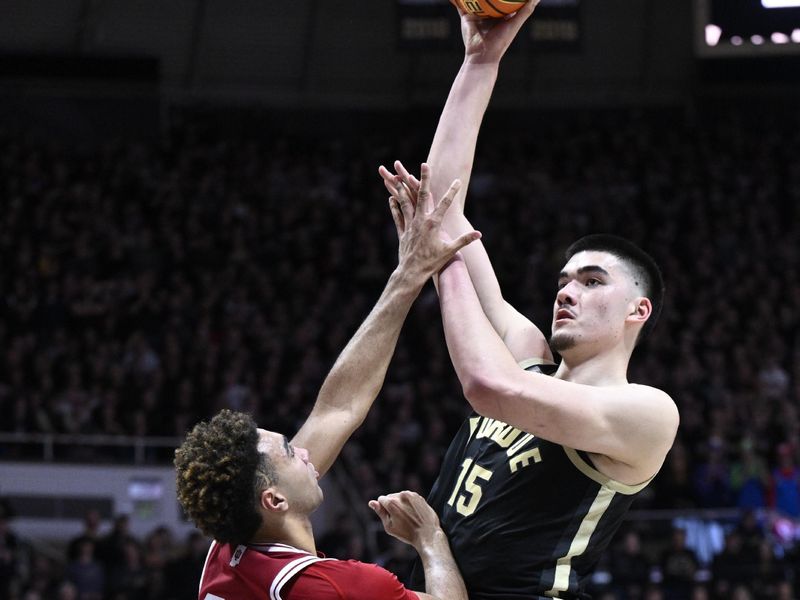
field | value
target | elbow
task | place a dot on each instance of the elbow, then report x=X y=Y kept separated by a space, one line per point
x=482 y=392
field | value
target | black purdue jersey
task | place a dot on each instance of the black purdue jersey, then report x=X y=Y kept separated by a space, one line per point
x=526 y=518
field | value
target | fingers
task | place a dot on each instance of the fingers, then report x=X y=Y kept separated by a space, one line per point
x=409 y=179
x=404 y=200
x=529 y=7
x=389 y=178
x=522 y=14
x=446 y=200
x=379 y=509
x=423 y=197
x=397 y=216
x=464 y=240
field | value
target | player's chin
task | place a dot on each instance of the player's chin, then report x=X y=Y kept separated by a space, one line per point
x=318 y=497
x=561 y=341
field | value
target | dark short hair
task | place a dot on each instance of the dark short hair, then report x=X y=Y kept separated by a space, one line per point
x=644 y=269
x=220 y=473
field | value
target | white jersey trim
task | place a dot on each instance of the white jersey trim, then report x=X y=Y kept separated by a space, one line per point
x=205 y=564
x=277 y=548
x=289 y=571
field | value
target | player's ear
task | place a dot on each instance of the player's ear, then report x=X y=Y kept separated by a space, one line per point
x=273 y=501
x=640 y=310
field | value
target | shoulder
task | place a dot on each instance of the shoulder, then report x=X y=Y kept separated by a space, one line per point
x=350 y=580
x=658 y=400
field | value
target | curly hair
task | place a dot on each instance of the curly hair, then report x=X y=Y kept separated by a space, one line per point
x=220 y=473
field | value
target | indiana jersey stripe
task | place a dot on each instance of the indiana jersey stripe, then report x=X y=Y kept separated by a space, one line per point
x=581 y=540
x=289 y=571
x=205 y=565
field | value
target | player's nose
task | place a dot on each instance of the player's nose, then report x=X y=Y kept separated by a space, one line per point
x=566 y=295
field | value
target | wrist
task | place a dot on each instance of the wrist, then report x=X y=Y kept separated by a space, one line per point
x=481 y=64
x=432 y=543
x=454 y=264
x=408 y=279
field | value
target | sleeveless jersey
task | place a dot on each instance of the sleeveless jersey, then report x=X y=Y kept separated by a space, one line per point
x=526 y=518
x=281 y=572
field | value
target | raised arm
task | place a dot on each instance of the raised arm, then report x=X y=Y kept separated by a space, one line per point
x=630 y=425
x=410 y=519
x=357 y=375
x=452 y=153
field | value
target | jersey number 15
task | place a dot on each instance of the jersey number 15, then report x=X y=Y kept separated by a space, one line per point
x=470 y=475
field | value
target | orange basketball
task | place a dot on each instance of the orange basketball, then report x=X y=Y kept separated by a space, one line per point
x=491 y=8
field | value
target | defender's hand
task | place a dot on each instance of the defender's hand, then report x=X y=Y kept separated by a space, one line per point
x=406 y=516
x=424 y=248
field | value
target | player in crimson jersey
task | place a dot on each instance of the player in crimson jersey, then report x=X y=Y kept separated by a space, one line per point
x=253 y=490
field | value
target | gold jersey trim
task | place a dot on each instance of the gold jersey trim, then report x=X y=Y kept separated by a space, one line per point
x=604 y=480
x=581 y=540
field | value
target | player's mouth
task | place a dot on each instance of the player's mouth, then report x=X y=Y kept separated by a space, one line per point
x=564 y=315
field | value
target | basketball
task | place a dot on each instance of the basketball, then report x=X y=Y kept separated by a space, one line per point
x=491 y=8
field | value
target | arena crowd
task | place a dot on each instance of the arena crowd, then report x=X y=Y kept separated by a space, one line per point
x=147 y=285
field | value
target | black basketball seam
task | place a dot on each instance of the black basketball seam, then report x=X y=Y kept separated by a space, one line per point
x=493 y=7
x=489 y=2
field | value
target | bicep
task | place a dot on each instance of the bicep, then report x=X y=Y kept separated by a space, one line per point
x=631 y=424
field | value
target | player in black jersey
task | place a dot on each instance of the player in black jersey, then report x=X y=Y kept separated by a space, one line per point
x=539 y=477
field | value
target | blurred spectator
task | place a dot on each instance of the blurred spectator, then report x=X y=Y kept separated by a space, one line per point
x=712 y=481
x=129 y=580
x=749 y=477
x=629 y=568
x=9 y=558
x=678 y=567
x=182 y=574
x=91 y=532
x=732 y=566
x=113 y=548
x=768 y=572
x=752 y=535
x=785 y=484
x=86 y=573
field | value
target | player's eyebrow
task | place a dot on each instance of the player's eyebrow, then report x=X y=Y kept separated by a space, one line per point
x=586 y=269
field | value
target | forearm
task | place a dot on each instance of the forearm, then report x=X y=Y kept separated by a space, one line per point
x=357 y=376
x=475 y=350
x=359 y=371
x=453 y=149
x=442 y=577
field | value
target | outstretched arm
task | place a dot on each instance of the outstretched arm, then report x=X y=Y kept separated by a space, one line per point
x=452 y=154
x=357 y=376
x=633 y=426
x=406 y=516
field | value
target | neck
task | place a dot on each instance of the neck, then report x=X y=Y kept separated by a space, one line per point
x=594 y=368
x=293 y=530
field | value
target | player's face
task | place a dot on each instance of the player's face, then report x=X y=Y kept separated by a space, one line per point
x=595 y=296
x=297 y=477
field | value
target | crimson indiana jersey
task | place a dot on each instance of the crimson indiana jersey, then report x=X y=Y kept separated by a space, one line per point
x=281 y=572
x=526 y=518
